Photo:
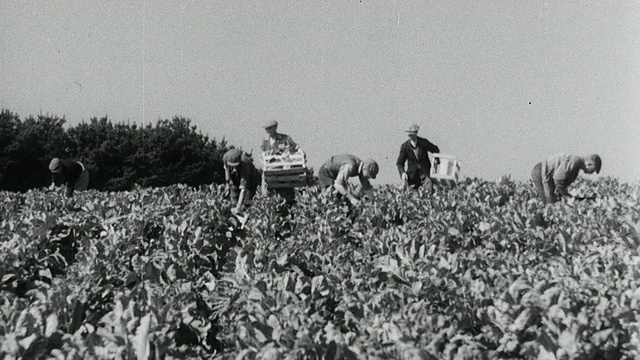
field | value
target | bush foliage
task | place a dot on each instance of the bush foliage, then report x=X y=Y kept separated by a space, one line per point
x=118 y=156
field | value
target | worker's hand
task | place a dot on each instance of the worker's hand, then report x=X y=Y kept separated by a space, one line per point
x=405 y=177
x=52 y=186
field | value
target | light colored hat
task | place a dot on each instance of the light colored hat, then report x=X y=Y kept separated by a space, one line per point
x=597 y=161
x=270 y=123
x=232 y=157
x=413 y=129
x=372 y=167
x=54 y=165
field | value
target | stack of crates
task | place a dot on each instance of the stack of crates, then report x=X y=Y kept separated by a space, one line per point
x=446 y=172
x=287 y=170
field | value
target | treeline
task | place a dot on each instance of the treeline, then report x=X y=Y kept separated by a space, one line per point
x=118 y=156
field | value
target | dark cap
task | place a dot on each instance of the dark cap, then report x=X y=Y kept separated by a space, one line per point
x=372 y=167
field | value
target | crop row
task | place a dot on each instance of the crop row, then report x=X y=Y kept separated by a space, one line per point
x=475 y=272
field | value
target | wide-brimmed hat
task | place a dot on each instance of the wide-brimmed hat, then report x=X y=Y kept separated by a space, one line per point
x=270 y=123
x=597 y=161
x=54 y=165
x=232 y=157
x=412 y=129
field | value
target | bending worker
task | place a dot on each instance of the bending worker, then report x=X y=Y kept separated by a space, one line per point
x=70 y=173
x=335 y=174
x=242 y=178
x=553 y=176
x=415 y=153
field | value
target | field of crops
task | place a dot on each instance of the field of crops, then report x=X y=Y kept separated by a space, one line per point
x=481 y=271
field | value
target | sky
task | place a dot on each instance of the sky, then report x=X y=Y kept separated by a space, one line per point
x=499 y=84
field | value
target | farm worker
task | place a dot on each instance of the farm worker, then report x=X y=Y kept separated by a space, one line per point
x=70 y=173
x=242 y=178
x=277 y=143
x=335 y=173
x=415 y=154
x=553 y=176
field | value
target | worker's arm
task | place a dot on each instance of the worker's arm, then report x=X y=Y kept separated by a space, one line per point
x=561 y=189
x=549 y=192
x=53 y=183
x=70 y=183
x=366 y=187
x=245 y=174
x=243 y=193
x=69 y=191
x=227 y=178
x=563 y=176
x=432 y=148
x=548 y=184
x=341 y=183
x=293 y=147
x=402 y=157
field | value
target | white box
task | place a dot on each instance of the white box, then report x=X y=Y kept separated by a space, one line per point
x=446 y=172
x=284 y=170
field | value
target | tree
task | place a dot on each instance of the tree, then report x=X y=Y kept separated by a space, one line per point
x=117 y=156
x=27 y=149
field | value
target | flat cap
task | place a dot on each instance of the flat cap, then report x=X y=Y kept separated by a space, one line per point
x=54 y=165
x=270 y=123
x=232 y=157
x=413 y=129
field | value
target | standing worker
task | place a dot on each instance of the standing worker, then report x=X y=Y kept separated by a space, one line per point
x=415 y=153
x=242 y=178
x=70 y=173
x=553 y=176
x=277 y=144
x=335 y=174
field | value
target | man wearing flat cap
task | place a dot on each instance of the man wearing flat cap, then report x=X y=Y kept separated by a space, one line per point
x=70 y=173
x=553 y=176
x=278 y=144
x=242 y=178
x=414 y=153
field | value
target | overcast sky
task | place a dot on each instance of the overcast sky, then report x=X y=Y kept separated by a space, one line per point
x=499 y=84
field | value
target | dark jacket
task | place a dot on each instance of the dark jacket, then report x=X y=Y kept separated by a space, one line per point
x=414 y=163
x=68 y=175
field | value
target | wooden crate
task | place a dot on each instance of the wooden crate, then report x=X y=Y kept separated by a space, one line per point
x=446 y=172
x=284 y=171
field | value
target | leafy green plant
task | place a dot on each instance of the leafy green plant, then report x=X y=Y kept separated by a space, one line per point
x=483 y=270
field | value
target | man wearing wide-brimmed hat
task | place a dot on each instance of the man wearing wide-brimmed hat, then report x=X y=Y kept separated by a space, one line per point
x=70 y=173
x=414 y=153
x=242 y=178
x=553 y=176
